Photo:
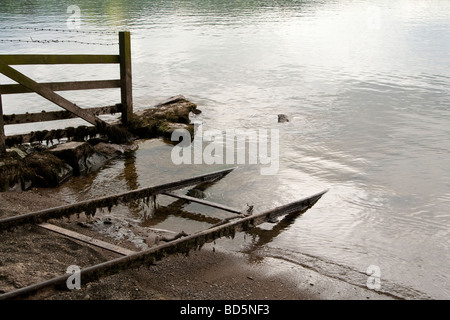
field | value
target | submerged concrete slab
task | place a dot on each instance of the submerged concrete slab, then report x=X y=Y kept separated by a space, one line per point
x=74 y=154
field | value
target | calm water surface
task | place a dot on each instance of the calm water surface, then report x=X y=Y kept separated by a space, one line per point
x=365 y=84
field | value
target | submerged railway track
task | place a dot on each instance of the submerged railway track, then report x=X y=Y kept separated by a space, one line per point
x=128 y=259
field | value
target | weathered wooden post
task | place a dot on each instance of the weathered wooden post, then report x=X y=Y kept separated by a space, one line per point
x=125 y=75
x=2 y=130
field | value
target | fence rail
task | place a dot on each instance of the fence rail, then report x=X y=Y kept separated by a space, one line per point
x=63 y=86
x=35 y=59
x=48 y=90
x=56 y=115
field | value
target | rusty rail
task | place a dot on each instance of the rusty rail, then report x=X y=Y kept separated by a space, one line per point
x=90 y=206
x=204 y=202
x=182 y=245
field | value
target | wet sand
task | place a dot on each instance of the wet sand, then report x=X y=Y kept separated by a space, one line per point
x=31 y=254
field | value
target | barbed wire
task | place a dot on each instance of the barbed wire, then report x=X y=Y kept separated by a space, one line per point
x=58 y=30
x=46 y=41
x=58 y=41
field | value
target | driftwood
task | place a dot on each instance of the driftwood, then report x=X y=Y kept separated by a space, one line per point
x=86 y=239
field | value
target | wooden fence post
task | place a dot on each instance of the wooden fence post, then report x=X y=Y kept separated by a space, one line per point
x=2 y=130
x=125 y=76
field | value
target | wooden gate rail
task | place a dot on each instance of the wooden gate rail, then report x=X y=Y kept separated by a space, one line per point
x=34 y=59
x=47 y=90
x=149 y=256
x=63 y=86
x=56 y=115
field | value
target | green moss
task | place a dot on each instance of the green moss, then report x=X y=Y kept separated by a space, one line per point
x=163 y=127
x=13 y=171
x=114 y=133
x=46 y=169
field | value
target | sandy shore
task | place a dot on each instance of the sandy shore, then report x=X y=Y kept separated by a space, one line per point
x=31 y=254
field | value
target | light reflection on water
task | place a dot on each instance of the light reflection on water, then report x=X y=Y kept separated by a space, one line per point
x=369 y=108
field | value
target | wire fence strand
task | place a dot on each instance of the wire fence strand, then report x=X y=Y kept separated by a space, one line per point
x=67 y=31
x=58 y=30
x=58 y=41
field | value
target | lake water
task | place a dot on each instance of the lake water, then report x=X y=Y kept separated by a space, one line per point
x=364 y=83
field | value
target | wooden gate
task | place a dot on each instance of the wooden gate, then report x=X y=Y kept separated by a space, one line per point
x=47 y=90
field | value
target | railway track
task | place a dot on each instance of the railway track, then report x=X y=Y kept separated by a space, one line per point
x=240 y=220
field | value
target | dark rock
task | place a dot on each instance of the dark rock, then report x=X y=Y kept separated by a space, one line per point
x=95 y=141
x=109 y=150
x=196 y=193
x=282 y=118
x=37 y=166
x=82 y=157
x=166 y=129
x=14 y=174
x=94 y=162
x=164 y=118
x=48 y=170
x=75 y=154
x=36 y=169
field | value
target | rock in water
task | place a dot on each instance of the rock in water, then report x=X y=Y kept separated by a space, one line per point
x=196 y=193
x=282 y=118
x=164 y=118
